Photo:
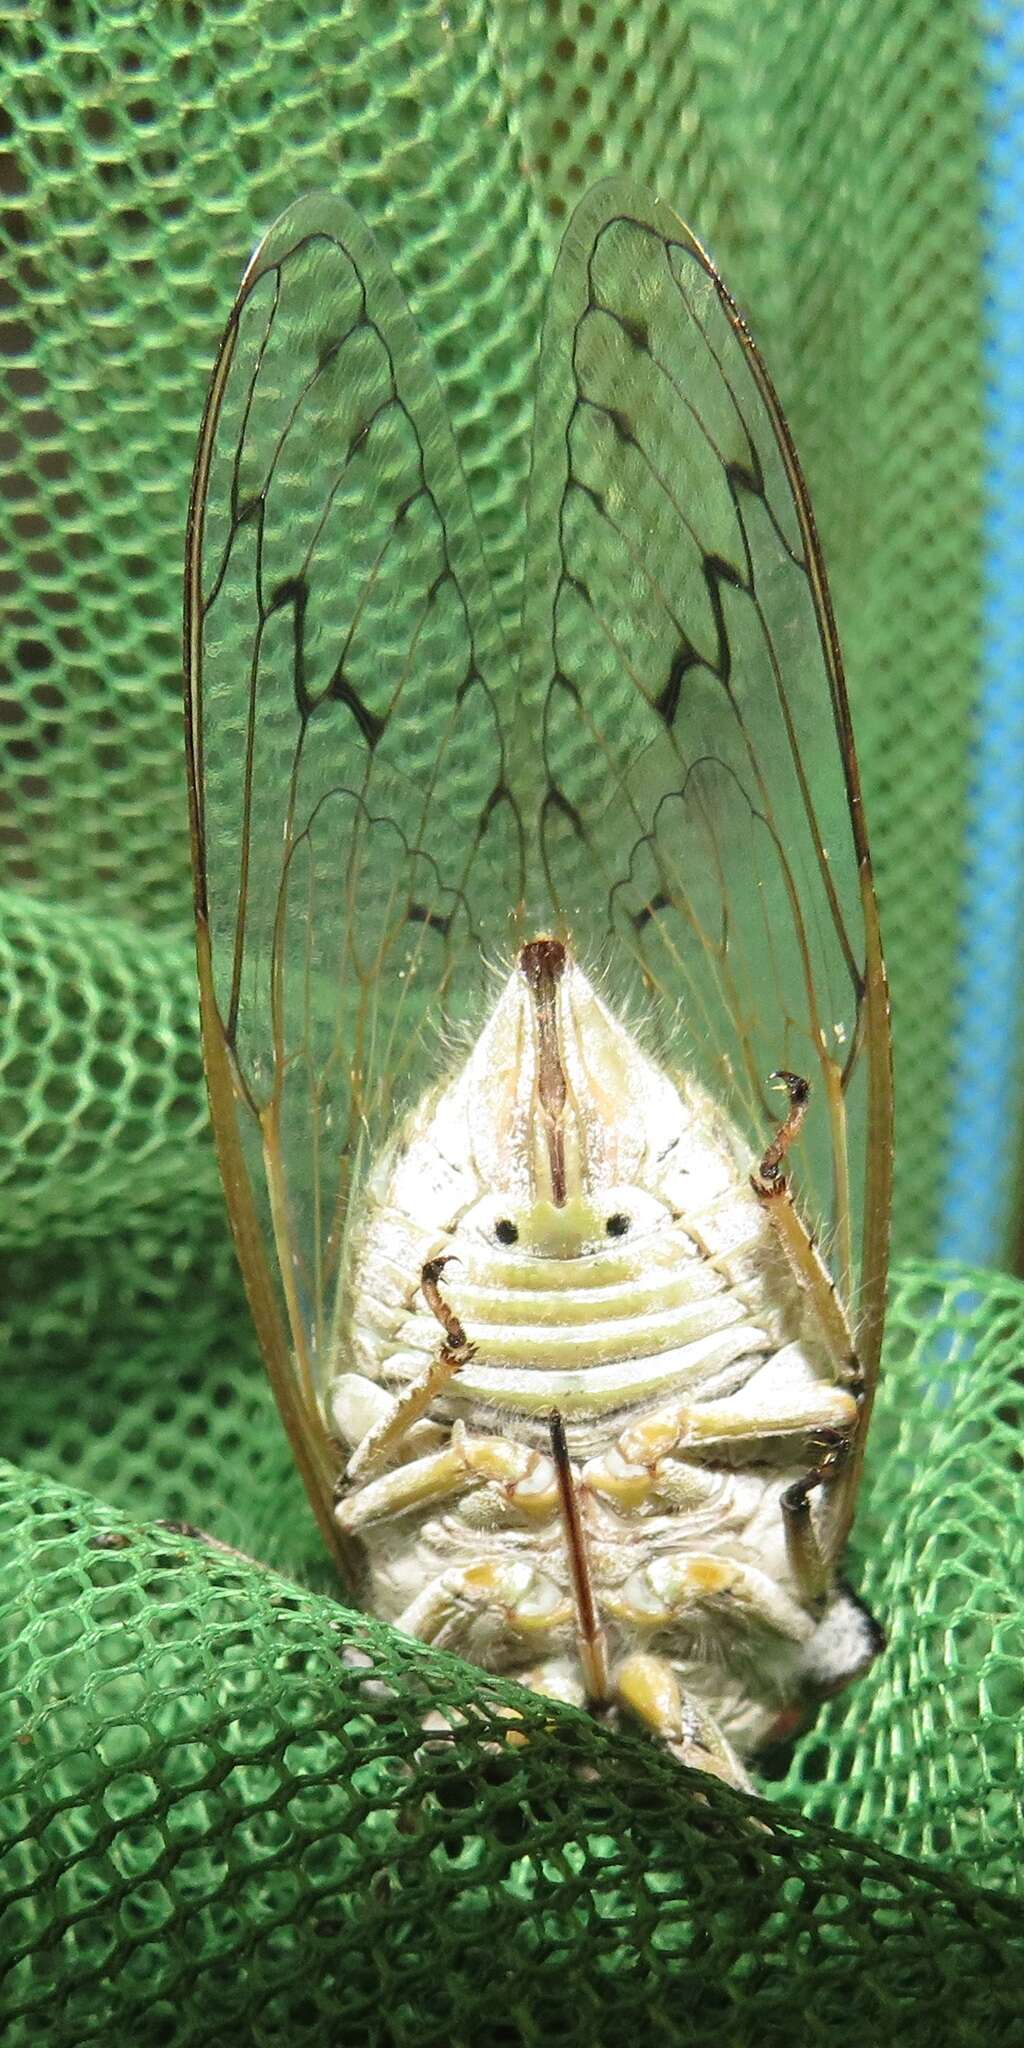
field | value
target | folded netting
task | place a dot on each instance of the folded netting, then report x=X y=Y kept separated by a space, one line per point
x=232 y=1809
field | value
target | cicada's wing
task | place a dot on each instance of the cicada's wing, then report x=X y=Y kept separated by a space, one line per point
x=702 y=805
x=352 y=825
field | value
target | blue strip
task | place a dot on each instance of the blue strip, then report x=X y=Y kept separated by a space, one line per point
x=983 y=1148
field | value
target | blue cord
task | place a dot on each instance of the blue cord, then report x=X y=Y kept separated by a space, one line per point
x=983 y=1153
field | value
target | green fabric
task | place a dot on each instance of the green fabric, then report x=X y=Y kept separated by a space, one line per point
x=221 y=1817
x=235 y=1811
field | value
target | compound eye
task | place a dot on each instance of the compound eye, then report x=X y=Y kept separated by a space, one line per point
x=617 y=1225
x=506 y=1232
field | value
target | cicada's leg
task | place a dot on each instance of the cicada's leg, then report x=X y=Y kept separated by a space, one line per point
x=384 y=1439
x=659 y=1456
x=499 y=1600
x=525 y=1480
x=802 y=1256
x=815 y=1282
x=554 y=1679
x=648 y=1688
x=645 y=1459
x=551 y=1679
x=811 y=1568
x=677 y=1587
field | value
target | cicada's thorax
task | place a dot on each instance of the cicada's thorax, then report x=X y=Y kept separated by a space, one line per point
x=610 y=1260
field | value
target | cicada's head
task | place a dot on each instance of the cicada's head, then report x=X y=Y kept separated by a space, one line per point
x=567 y=1120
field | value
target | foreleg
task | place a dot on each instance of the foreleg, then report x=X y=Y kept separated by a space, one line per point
x=769 y=1182
x=526 y=1478
x=385 y=1438
x=801 y=1254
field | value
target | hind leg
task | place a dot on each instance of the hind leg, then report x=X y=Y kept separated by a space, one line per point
x=647 y=1688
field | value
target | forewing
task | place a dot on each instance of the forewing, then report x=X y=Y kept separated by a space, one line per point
x=355 y=840
x=702 y=816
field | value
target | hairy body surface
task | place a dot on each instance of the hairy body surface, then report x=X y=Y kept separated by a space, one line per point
x=609 y=1259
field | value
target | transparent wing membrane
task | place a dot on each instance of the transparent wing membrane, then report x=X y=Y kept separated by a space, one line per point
x=700 y=827
x=669 y=780
x=343 y=661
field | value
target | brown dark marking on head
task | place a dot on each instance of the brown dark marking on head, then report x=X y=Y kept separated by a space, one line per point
x=542 y=963
x=542 y=960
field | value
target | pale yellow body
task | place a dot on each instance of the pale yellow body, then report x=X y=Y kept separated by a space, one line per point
x=692 y=1366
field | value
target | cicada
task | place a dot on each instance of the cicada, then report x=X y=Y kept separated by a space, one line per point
x=505 y=944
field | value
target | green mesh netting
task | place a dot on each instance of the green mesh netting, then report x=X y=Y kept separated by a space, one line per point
x=220 y=1815
x=225 y=1821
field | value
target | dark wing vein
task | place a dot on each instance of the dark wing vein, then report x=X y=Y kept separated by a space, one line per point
x=701 y=813
x=345 y=678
